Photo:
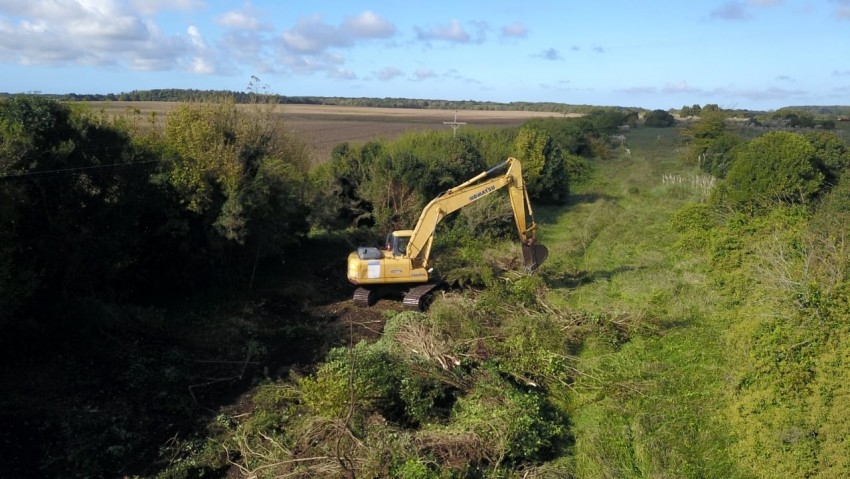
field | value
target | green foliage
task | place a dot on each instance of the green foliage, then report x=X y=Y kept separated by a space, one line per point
x=609 y=120
x=512 y=424
x=578 y=169
x=658 y=119
x=711 y=143
x=693 y=110
x=663 y=337
x=414 y=469
x=244 y=157
x=544 y=166
x=449 y=160
x=366 y=379
x=775 y=168
x=339 y=200
x=386 y=185
x=799 y=119
x=70 y=221
x=240 y=177
x=394 y=190
x=832 y=156
x=694 y=223
x=782 y=340
x=573 y=135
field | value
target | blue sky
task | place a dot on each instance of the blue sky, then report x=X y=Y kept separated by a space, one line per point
x=751 y=54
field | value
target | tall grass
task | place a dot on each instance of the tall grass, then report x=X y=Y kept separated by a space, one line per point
x=649 y=398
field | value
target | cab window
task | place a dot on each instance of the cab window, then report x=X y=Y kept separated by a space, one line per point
x=401 y=244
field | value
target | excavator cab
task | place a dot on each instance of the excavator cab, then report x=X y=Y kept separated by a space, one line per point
x=397 y=242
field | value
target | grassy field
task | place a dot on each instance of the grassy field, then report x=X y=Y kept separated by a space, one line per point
x=658 y=377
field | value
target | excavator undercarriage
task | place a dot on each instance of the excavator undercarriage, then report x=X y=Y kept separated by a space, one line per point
x=416 y=298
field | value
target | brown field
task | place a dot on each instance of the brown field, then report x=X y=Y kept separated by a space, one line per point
x=322 y=127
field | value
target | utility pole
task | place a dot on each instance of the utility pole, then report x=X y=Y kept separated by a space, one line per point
x=454 y=124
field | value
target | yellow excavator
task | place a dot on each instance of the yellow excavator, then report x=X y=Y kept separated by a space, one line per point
x=404 y=264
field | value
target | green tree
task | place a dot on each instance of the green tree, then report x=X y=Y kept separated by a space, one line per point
x=449 y=160
x=394 y=189
x=711 y=143
x=658 y=119
x=544 y=166
x=242 y=174
x=775 y=168
x=831 y=154
x=573 y=135
x=710 y=109
x=339 y=200
x=75 y=202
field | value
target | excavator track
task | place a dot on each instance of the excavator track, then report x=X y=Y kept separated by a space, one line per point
x=365 y=297
x=416 y=298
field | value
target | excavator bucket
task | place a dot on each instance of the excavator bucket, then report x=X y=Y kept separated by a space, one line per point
x=533 y=255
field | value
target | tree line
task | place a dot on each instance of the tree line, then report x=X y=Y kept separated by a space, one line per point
x=255 y=92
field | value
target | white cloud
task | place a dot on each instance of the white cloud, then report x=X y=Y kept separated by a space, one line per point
x=424 y=74
x=342 y=74
x=151 y=7
x=451 y=32
x=239 y=21
x=368 y=25
x=202 y=66
x=195 y=36
x=388 y=73
x=679 y=87
x=733 y=10
x=309 y=46
x=516 y=29
x=86 y=32
x=311 y=35
x=550 y=54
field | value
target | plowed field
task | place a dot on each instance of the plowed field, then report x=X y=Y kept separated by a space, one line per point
x=323 y=126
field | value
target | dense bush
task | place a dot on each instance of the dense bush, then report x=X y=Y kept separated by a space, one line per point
x=773 y=169
x=832 y=156
x=74 y=207
x=711 y=143
x=92 y=212
x=658 y=119
x=544 y=165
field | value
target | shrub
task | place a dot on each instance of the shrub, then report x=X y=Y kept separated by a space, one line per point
x=778 y=167
x=544 y=167
x=513 y=424
x=832 y=155
x=711 y=143
x=658 y=119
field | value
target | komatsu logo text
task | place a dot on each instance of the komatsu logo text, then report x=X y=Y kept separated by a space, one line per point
x=482 y=193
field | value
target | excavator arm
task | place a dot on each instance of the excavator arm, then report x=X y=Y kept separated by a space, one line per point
x=473 y=190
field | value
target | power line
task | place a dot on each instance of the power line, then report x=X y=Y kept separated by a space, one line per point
x=66 y=171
